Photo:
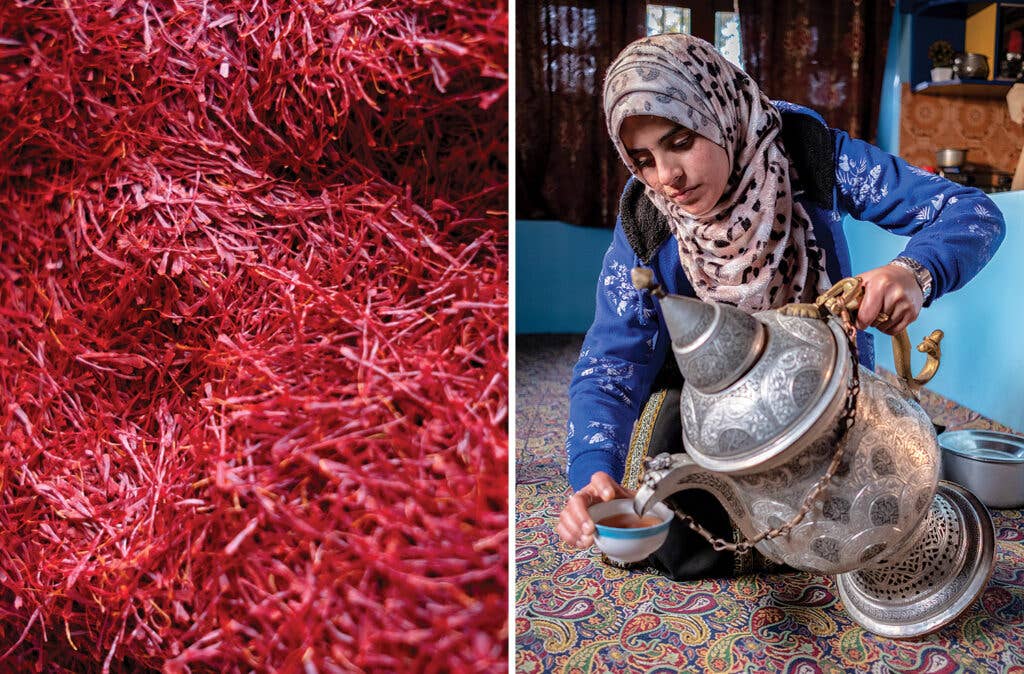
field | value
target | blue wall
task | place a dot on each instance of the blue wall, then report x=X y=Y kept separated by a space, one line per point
x=982 y=363
x=897 y=71
x=557 y=266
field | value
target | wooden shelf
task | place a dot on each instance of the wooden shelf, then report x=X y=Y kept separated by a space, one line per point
x=978 y=88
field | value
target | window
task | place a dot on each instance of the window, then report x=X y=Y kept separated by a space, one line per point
x=667 y=19
x=708 y=19
x=570 y=34
x=727 y=36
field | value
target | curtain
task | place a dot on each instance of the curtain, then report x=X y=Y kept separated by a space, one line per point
x=829 y=56
x=566 y=167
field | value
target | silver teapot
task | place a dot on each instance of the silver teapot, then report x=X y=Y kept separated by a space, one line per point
x=822 y=464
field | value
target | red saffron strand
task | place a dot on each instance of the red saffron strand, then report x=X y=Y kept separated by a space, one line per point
x=253 y=336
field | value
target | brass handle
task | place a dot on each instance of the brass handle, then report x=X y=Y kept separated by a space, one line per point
x=901 y=355
x=846 y=296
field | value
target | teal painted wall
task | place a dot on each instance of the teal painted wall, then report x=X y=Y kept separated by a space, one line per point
x=982 y=365
x=557 y=266
x=897 y=67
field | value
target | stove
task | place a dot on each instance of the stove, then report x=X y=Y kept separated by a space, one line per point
x=985 y=179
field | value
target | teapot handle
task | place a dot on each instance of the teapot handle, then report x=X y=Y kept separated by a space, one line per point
x=847 y=294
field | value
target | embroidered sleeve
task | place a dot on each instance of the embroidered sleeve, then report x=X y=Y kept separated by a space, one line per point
x=954 y=230
x=620 y=357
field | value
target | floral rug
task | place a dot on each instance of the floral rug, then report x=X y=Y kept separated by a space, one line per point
x=577 y=614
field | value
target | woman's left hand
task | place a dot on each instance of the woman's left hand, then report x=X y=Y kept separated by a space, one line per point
x=893 y=291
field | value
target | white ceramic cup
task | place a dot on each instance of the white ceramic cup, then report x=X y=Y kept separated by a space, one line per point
x=628 y=545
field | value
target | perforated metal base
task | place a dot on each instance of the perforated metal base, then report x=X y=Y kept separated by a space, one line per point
x=936 y=580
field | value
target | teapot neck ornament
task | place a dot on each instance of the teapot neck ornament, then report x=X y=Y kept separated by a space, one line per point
x=822 y=464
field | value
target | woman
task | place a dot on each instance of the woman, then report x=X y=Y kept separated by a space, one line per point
x=738 y=199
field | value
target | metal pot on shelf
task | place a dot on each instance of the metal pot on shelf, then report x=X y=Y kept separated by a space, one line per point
x=970 y=66
x=1011 y=66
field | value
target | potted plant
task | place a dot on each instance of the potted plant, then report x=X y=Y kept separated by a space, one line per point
x=941 y=55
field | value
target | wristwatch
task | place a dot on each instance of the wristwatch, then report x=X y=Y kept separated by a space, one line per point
x=923 y=276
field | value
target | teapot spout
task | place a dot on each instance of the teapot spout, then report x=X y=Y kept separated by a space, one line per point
x=667 y=474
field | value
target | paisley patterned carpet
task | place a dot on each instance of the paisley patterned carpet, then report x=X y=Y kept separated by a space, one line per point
x=576 y=614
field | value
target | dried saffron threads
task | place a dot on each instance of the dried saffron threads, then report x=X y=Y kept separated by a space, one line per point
x=253 y=336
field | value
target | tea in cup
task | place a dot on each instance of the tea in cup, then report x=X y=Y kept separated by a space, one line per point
x=624 y=536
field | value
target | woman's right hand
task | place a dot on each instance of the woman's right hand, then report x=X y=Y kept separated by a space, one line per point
x=574 y=524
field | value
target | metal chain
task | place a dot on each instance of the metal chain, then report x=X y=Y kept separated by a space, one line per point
x=843 y=425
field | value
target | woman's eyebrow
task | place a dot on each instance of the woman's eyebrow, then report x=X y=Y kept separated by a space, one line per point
x=668 y=134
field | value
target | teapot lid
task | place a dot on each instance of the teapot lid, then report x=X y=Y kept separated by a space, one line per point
x=754 y=385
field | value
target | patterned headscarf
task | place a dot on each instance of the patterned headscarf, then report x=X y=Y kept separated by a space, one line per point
x=755 y=248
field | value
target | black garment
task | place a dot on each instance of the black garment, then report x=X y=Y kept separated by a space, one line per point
x=686 y=555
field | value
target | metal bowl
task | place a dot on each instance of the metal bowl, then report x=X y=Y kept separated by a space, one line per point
x=988 y=463
x=949 y=157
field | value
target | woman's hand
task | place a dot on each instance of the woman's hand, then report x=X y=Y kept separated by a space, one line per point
x=574 y=524
x=891 y=290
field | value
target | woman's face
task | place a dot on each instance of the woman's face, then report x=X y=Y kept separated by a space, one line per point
x=684 y=166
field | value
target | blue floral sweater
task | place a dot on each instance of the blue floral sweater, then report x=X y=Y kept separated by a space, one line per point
x=953 y=231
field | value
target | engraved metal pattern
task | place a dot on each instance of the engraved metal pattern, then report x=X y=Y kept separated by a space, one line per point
x=717 y=361
x=885 y=510
x=940 y=575
x=836 y=509
x=688 y=333
x=665 y=474
x=872 y=551
x=929 y=564
x=800 y=328
x=881 y=462
x=862 y=504
x=801 y=469
x=792 y=383
x=875 y=502
x=775 y=397
x=826 y=548
x=841 y=425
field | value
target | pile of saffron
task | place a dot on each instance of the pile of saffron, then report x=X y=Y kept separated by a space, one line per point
x=253 y=336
